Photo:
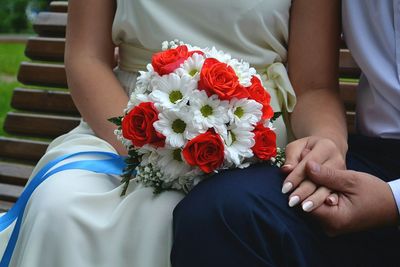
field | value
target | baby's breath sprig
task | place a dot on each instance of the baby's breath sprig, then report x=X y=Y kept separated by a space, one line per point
x=279 y=159
x=150 y=177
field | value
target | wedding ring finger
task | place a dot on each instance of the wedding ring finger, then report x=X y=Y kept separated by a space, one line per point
x=304 y=190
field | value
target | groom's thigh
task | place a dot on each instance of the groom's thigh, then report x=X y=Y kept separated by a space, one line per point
x=241 y=218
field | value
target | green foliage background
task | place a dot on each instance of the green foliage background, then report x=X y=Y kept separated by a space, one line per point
x=13 y=14
x=10 y=57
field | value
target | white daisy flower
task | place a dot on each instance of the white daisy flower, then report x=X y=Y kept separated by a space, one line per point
x=171 y=91
x=209 y=112
x=185 y=183
x=193 y=48
x=191 y=67
x=244 y=111
x=219 y=55
x=238 y=143
x=172 y=164
x=143 y=84
x=149 y=155
x=243 y=71
x=176 y=127
x=134 y=100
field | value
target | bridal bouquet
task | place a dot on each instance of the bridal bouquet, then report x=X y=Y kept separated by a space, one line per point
x=193 y=113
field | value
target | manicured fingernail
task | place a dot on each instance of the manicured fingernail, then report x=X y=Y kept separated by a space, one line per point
x=332 y=200
x=287 y=166
x=293 y=201
x=287 y=187
x=308 y=206
x=315 y=168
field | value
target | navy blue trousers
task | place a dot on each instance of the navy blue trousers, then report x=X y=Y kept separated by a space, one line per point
x=240 y=218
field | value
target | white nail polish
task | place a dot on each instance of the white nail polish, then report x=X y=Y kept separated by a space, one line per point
x=293 y=201
x=308 y=206
x=287 y=187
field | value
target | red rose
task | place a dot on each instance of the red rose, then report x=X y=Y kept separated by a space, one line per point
x=205 y=151
x=220 y=79
x=137 y=126
x=258 y=93
x=265 y=146
x=169 y=60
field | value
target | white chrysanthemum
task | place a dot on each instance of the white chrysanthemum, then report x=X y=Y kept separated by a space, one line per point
x=143 y=84
x=243 y=71
x=149 y=155
x=177 y=127
x=217 y=54
x=134 y=100
x=185 y=183
x=209 y=112
x=171 y=91
x=172 y=164
x=244 y=111
x=238 y=143
x=192 y=66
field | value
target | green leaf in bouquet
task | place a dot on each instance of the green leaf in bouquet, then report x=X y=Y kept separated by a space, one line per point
x=116 y=120
x=276 y=116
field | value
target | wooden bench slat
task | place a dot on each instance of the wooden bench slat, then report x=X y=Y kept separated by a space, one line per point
x=10 y=193
x=348 y=68
x=50 y=24
x=5 y=206
x=59 y=6
x=351 y=121
x=42 y=74
x=43 y=101
x=45 y=49
x=39 y=124
x=22 y=149
x=14 y=173
x=348 y=93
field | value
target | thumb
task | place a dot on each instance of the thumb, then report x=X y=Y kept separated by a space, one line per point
x=333 y=179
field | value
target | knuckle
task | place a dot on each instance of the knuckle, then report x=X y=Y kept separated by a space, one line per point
x=319 y=196
x=291 y=147
x=330 y=173
x=328 y=143
x=304 y=190
x=351 y=180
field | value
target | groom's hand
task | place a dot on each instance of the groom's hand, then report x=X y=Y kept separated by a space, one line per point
x=298 y=153
x=365 y=201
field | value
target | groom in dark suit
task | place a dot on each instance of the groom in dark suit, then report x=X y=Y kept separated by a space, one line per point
x=233 y=222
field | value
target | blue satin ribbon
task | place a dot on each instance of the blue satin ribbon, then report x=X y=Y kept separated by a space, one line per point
x=113 y=164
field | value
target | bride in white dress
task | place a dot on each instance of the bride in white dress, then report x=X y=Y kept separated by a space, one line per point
x=78 y=218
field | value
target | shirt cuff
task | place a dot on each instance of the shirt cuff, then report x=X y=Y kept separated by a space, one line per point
x=395 y=186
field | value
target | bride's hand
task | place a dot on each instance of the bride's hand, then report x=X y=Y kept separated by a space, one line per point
x=319 y=149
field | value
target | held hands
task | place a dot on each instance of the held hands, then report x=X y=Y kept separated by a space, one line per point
x=365 y=201
x=298 y=153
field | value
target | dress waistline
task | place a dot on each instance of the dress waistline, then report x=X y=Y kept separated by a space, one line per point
x=133 y=58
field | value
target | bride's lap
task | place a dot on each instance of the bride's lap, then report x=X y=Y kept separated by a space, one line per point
x=80 y=218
